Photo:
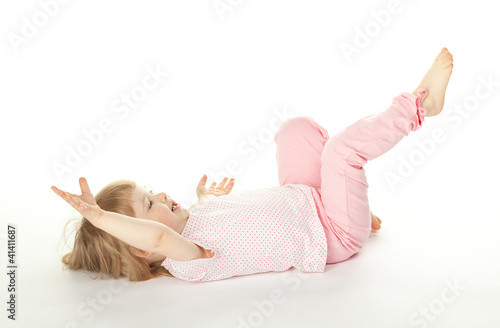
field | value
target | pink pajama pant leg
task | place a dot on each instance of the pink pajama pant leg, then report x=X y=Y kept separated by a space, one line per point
x=306 y=154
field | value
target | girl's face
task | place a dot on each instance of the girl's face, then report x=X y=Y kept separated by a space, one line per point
x=158 y=207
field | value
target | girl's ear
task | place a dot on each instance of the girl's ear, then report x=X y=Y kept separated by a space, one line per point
x=141 y=253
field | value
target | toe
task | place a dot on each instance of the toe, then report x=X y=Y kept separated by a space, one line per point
x=376 y=224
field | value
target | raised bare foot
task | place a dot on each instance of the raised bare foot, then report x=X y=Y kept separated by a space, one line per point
x=376 y=222
x=435 y=81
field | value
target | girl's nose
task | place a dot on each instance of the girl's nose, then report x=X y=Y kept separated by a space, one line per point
x=163 y=196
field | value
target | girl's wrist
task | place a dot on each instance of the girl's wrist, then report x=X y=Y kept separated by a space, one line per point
x=98 y=218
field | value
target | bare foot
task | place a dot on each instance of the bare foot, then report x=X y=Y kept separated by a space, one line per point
x=435 y=81
x=376 y=222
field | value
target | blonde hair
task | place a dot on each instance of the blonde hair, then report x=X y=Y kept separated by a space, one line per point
x=97 y=251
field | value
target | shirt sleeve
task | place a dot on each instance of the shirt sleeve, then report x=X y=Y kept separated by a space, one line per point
x=194 y=270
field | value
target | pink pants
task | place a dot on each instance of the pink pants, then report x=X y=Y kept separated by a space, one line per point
x=334 y=166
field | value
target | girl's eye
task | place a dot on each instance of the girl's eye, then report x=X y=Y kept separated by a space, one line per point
x=151 y=202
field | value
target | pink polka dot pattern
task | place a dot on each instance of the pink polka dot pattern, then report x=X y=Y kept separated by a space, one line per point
x=262 y=230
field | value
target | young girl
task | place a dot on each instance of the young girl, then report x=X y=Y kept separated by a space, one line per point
x=319 y=214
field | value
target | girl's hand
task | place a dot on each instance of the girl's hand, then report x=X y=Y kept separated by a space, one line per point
x=220 y=190
x=85 y=203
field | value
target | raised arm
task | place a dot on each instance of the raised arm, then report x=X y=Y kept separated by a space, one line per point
x=150 y=236
x=143 y=234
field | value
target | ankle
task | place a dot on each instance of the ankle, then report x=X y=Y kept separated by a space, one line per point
x=428 y=103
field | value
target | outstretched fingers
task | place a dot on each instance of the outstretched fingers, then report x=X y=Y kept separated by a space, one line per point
x=225 y=185
x=72 y=199
x=88 y=209
x=222 y=183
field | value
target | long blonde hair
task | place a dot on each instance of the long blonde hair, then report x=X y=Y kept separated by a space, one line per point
x=97 y=251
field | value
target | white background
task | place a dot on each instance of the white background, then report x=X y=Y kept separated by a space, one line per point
x=229 y=74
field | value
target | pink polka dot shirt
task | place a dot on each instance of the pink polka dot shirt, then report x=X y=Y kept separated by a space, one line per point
x=262 y=230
